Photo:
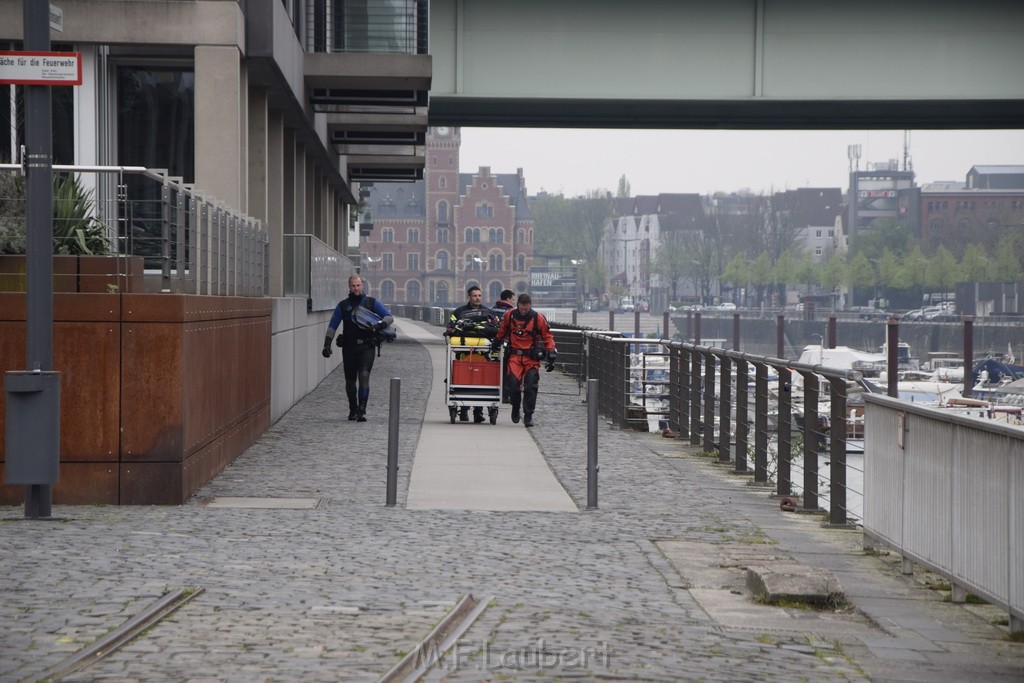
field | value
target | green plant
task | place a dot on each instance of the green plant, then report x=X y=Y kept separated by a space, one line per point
x=12 y=213
x=75 y=229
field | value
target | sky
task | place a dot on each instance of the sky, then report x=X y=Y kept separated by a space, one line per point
x=574 y=161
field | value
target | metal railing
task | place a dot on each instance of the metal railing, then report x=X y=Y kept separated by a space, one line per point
x=368 y=26
x=194 y=243
x=694 y=390
x=316 y=272
x=946 y=492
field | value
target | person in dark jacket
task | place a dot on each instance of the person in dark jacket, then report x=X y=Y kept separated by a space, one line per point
x=361 y=317
x=472 y=314
x=504 y=304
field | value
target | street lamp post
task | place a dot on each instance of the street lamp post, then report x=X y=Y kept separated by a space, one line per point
x=581 y=293
x=367 y=259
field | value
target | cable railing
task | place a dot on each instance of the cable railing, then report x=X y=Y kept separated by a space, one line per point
x=188 y=242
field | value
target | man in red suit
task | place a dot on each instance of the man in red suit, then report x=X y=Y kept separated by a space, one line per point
x=530 y=342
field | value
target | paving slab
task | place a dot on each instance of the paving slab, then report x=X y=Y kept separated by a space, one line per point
x=470 y=466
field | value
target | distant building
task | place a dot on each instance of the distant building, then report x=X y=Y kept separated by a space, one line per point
x=641 y=226
x=434 y=238
x=811 y=212
x=981 y=210
x=874 y=194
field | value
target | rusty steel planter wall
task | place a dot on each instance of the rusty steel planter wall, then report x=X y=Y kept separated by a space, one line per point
x=159 y=392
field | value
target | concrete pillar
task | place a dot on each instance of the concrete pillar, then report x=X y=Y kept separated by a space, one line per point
x=274 y=222
x=289 y=180
x=299 y=197
x=219 y=121
x=257 y=153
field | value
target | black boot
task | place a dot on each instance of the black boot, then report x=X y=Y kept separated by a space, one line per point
x=478 y=415
x=353 y=411
x=361 y=412
x=515 y=414
x=528 y=419
x=463 y=414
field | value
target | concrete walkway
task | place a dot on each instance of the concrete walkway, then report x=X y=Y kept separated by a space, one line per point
x=308 y=576
x=469 y=466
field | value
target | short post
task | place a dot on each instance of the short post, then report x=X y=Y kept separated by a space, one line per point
x=696 y=328
x=832 y=331
x=636 y=323
x=892 y=341
x=780 y=336
x=611 y=320
x=574 y=317
x=735 y=331
x=394 y=414
x=665 y=334
x=592 y=388
x=968 y=356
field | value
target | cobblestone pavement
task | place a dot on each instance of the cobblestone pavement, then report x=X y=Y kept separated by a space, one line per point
x=343 y=590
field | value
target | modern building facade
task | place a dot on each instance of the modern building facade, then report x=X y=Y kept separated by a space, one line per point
x=434 y=238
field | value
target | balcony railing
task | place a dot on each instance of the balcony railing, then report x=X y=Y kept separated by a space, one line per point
x=191 y=243
x=368 y=26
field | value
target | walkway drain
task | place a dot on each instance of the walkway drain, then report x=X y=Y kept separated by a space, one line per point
x=267 y=503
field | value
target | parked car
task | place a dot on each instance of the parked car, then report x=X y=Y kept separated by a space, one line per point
x=873 y=314
x=944 y=317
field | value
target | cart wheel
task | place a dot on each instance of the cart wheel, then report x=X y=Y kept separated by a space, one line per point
x=453 y=413
x=493 y=412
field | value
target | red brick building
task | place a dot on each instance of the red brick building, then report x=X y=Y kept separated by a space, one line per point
x=980 y=211
x=434 y=238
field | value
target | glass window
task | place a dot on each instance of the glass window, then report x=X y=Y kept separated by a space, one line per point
x=442 y=260
x=414 y=261
x=442 y=235
x=388 y=235
x=387 y=290
x=388 y=262
x=414 y=236
x=412 y=292
x=155 y=129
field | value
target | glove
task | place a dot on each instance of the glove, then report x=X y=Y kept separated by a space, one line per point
x=550 y=365
x=495 y=346
x=379 y=326
x=552 y=355
x=327 y=347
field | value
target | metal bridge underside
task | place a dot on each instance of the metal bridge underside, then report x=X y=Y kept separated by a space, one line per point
x=771 y=64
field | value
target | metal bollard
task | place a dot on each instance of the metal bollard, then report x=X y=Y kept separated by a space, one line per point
x=394 y=414
x=592 y=468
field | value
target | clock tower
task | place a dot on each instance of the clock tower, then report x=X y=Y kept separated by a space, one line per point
x=442 y=198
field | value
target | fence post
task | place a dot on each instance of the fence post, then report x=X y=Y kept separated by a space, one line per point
x=695 y=376
x=736 y=332
x=709 y=402
x=394 y=415
x=780 y=336
x=760 y=423
x=665 y=321
x=968 y=356
x=811 y=435
x=636 y=323
x=837 y=453
x=742 y=415
x=783 y=478
x=892 y=367
x=592 y=468
x=724 y=403
x=682 y=360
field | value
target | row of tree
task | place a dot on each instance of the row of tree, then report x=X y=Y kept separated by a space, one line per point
x=755 y=245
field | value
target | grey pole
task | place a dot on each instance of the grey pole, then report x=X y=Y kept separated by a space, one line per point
x=592 y=389
x=39 y=222
x=394 y=414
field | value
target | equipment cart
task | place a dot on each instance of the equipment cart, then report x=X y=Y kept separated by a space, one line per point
x=473 y=376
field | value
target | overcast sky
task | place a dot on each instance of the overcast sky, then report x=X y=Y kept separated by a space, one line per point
x=704 y=161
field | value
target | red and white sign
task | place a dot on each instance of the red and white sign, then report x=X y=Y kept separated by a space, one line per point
x=41 y=68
